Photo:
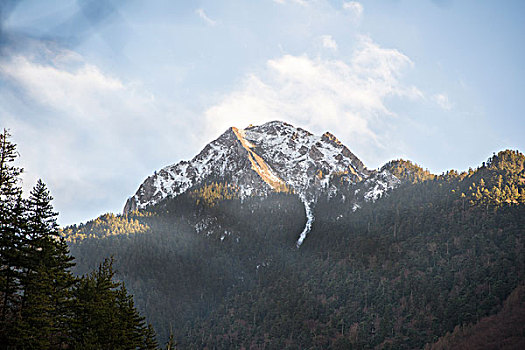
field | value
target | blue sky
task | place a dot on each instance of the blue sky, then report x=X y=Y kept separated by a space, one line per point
x=99 y=94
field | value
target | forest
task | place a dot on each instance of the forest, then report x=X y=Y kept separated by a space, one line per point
x=436 y=263
x=43 y=305
x=428 y=265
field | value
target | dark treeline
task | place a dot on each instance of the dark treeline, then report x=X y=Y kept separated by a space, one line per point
x=437 y=253
x=42 y=304
x=503 y=330
x=193 y=255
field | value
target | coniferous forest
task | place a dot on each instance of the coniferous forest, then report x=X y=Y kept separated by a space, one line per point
x=438 y=263
x=43 y=304
x=262 y=175
x=427 y=265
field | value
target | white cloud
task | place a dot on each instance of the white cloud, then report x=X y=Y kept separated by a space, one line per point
x=299 y=2
x=205 y=17
x=354 y=7
x=442 y=101
x=82 y=130
x=79 y=89
x=329 y=42
x=347 y=98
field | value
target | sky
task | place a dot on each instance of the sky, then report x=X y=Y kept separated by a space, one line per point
x=100 y=94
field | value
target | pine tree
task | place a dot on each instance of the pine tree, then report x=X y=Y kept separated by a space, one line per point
x=9 y=173
x=150 y=341
x=46 y=278
x=42 y=305
x=105 y=315
x=11 y=227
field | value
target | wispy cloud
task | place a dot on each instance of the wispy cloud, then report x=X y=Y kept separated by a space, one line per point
x=442 y=101
x=299 y=2
x=320 y=94
x=82 y=130
x=354 y=7
x=329 y=42
x=205 y=17
x=79 y=90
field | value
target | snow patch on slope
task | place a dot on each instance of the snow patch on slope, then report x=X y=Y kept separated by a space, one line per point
x=309 y=220
x=379 y=184
x=303 y=160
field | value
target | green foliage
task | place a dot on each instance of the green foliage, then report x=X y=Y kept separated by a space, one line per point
x=46 y=279
x=12 y=221
x=149 y=339
x=501 y=181
x=407 y=171
x=397 y=273
x=504 y=329
x=105 y=316
x=104 y=226
x=177 y=274
x=43 y=306
x=12 y=224
x=211 y=194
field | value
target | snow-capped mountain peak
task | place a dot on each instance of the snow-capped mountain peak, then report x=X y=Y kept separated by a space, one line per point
x=274 y=156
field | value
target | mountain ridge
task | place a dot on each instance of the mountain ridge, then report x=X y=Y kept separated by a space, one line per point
x=275 y=156
x=272 y=157
x=436 y=253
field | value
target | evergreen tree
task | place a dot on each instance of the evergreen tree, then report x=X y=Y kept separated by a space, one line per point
x=42 y=305
x=105 y=315
x=11 y=226
x=46 y=278
x=150 y=341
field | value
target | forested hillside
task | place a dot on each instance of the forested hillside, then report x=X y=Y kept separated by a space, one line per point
x=436 y=253
x=194 y=255
x=503 y=330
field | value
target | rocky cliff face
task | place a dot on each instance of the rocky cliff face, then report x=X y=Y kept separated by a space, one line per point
x=275 y=156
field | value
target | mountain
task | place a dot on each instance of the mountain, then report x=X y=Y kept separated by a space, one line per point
x=275 y=156
x=212 y=257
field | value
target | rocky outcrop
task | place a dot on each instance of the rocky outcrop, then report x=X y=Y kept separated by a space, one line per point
x=275 y=156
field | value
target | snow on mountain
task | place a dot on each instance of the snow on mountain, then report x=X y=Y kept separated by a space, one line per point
x=309 y=220
x=303 y=160
x=226 y=158
x=378 y=184
x=275 y=156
